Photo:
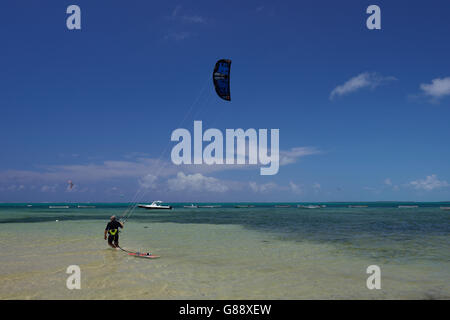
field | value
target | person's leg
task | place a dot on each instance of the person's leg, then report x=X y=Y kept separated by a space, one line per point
x=110 y=241
x=116 y=241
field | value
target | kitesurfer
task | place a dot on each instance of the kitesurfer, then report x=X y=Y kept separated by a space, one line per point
x=112 y=228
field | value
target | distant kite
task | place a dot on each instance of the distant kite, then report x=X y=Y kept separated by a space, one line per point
x=70 y=184
x=221 y=78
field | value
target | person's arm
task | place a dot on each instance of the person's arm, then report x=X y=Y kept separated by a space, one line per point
x=105 y=233
x=121 y=224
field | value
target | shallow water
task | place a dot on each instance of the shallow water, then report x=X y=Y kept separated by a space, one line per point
x=227 y=253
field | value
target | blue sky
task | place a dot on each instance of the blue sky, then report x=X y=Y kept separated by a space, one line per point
x=363 y=114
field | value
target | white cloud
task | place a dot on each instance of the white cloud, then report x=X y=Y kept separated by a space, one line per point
x=179 y=21
x=145 y=171
x=13 y=188
x=136 y=155
x=148 y=181
x=292 y=155
x=194 y=19
x=189 y=18
x=262 y=188
x=295 y=188
x=89 y=172
x=363 y=80
x=429 y=183
x=178 y=36
x=253 y=186
x=47 y=188
x=388 y=182
x=196 y=182
x=176 y=10
x=437 y=89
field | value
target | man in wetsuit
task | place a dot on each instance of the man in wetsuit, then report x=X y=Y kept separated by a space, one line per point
x=112 y=228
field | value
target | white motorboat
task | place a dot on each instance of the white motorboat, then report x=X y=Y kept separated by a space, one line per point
x=155 y=205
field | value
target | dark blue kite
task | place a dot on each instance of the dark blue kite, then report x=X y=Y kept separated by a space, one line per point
x=221 y=78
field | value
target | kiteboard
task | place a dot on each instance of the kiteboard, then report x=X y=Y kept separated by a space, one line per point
x=143 y=255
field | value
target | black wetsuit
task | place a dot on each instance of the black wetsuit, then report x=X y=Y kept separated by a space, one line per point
x=113 y=232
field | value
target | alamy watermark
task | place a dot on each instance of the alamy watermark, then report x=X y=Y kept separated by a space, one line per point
x=74 y=280
x=241 y=147
x=374 y=280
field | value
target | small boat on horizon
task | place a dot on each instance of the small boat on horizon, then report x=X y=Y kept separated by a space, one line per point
x=84 y=207
x=357 y=206
x=210 y=206
x=244 y=206
x=155 y=205
x=311 y=206
x=407 y=207
x=58 y=207
x=192 y=206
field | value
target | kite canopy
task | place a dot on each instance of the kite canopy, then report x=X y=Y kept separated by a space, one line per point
x=221 y=78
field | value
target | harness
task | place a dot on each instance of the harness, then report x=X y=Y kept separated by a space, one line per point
x=113 y=231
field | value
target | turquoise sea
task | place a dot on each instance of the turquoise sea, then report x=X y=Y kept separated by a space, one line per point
x=256 y=252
